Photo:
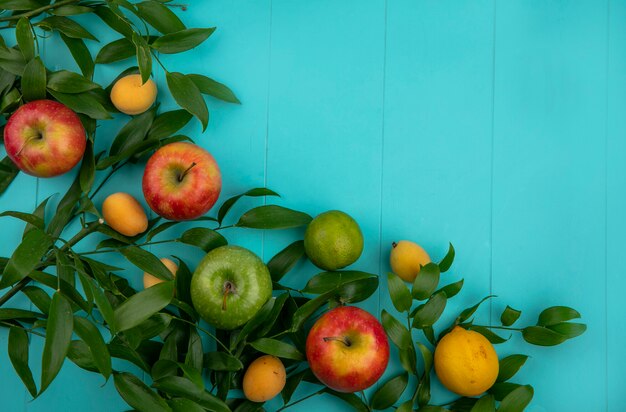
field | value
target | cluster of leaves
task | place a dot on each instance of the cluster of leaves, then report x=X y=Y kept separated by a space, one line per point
x=552 y=328
x=147 y=29
x=86 y=311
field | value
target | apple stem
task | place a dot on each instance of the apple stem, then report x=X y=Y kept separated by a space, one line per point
x=228 y=288
x=183 y=174
x=343 y=340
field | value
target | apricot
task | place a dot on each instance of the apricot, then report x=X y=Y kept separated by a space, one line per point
x=129 y=96
x=150 y=280
x=264 y=379
x=407 y=258
x=124 y=214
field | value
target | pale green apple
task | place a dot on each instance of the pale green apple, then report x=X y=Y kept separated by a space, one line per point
x=229 y=286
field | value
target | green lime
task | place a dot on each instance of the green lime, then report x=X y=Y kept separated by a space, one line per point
x=333 y=240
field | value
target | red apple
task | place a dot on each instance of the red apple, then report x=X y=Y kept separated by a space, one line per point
x=347 y=349
x=182 y=181
x=44 y=138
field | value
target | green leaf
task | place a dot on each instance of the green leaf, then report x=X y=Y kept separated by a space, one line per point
x=130 y=135
x=12 y=61
x=181 y=41
x=270 y=320
x=285 y=260
x=65 y=81
x=143 y=305
x=64 y=209
x=90 y=334
x=517 y=400
x=58 y=336
x=184 y=405
x=70 y=10
x=489 y=334
x=115 y=51
x=66 y=26
x=159 y=17
x=208 y=86
x=446 y=262
x=485 y=404
x=168 y=123
x=8 y=172
x=350 y=398
x=408 y=359
x=25 y=257
x=115 y=21
x=25 y=38
x=103 y=304
x=147 y=262
x=81 y=55
x=390 y=392
x=20 y=4
x=203 y=238
x=277 y=348
x=18 y=354
x=509 y=316
x=221 y=361
x=501 y=389
x=188 y=96
x=229 y=203
x=426 y=281
x=292 y=384
x=428 y=313
x=12 y=314
x=423 y=395
x=32 y=219
x=570 y=330
x=195 y=354
x=557 y=314
x=180 y=386
x=257 y=320
x=273 y=217
x=509 y=366
x=467 y=313
x=538 y=335
x=87 y=169
x=427 y=357
x=82 y=103
x=452 y=289
x=397 y=332
x=38 y=297
x=400 y=294
x=330 y=281
x=405 y=406
x=34 y=80
x=137 y=394
x=144 y=57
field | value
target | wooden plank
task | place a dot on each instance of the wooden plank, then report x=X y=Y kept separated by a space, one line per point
x=616 y=205
x=325 y=124
x=549 y=187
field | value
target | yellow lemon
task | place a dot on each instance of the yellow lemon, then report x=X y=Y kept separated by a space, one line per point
x=124 y=214
x=264 y=379
x=466 y=362
x=151 y=280
x=129 y=96
x=407 y=258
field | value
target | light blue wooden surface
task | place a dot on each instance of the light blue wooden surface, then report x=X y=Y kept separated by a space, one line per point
x=498 y=127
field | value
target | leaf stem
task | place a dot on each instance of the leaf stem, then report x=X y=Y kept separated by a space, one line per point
x=206 y=332
x=500 y=327
x=107 y=177
x=300 y=400
x=39 y=10
x=95 y=252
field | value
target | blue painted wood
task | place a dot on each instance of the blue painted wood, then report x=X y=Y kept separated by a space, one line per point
x=616 y=204
x=491 y=126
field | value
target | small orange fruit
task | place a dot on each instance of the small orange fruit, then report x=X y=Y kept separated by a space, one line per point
x=264 y=379
x=132 y=97
x=151 y=280
x=466 y=362
x=407 y=258
x=124 y=214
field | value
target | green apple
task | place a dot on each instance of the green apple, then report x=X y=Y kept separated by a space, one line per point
x=229 y=286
